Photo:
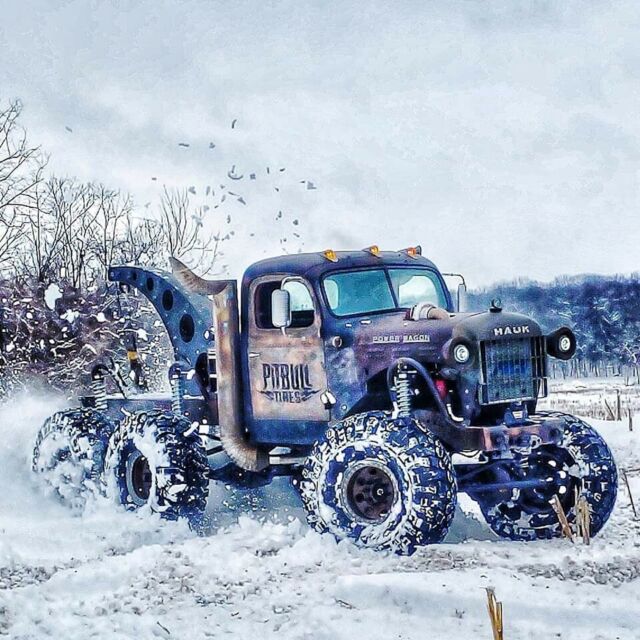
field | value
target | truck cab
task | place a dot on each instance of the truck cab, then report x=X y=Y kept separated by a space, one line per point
x=340 y=330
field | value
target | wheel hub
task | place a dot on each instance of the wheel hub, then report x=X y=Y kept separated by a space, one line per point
x=139 y=478
x=554 y=470
x=370 y=492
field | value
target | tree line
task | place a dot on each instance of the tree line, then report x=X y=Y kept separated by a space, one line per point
x=58 y=236
x=604 y=312
x=56 y=227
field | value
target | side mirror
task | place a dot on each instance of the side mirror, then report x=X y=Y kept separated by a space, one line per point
x=462 y=297
x=461 y=293
x=280 y=308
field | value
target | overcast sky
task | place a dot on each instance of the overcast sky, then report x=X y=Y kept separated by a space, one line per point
x=503 y=137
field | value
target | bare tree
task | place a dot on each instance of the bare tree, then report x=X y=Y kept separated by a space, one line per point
x=11 y=227
x=42 y=237
x=58 y=232
x=75 y=207
x=140 y=243
x=21 y=168
x=182 y=231
x=109 y=228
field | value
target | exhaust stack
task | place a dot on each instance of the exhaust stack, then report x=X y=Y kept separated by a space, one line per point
x=227 y=334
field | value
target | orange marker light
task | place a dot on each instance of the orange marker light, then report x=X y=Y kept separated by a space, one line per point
x=330 y=255
x=413 y=252
x=374 y=250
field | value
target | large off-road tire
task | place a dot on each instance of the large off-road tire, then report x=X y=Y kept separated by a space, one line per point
x=69 y=454
x=381 y=483
x=156 y=458
x=582 y=462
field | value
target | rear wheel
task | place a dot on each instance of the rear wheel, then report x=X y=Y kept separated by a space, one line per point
x=582 y=463
x=381 y=483
x=155 y=458
x=69 y=454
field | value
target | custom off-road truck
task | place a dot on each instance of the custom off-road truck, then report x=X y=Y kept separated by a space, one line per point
x=357 y=375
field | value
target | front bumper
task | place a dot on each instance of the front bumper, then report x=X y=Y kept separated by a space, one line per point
x=537 y=430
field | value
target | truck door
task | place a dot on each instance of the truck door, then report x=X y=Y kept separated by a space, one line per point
x=286 y=368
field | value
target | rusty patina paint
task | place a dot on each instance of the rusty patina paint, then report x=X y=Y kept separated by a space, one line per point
x=229 y=395
x=286 y=367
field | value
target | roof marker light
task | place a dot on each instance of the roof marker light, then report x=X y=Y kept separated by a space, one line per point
x=374 y=250
x=330 y=255
x=413 y=252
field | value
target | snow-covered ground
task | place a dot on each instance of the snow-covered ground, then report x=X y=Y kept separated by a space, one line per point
x=258 y=571
x=595 y=397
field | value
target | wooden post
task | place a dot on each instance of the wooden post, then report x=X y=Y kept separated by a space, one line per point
x=495 y=614
x=562 y=518
x=619 y=404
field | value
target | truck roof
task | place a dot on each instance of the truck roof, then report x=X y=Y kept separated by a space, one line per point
x=313 y=265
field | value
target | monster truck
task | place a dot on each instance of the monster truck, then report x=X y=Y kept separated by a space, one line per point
x=358 y=375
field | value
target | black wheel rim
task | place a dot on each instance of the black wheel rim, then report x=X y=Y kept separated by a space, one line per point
x=370 y=493
x=552 y=465
x=139 y=478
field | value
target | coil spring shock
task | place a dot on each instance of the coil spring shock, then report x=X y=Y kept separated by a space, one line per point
x=403 y=390
x=99 y=390
x=176 y=378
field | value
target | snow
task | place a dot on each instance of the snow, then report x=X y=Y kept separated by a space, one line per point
x=51 y=294
x=70 y=316
x=259 y=571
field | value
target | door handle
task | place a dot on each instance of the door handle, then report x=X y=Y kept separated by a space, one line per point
x=254 y=354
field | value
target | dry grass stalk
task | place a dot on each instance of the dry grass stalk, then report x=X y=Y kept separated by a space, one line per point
x=562 y=518
x=633 y=506
x=583 y=518
x=495 y=614
x=609 y=410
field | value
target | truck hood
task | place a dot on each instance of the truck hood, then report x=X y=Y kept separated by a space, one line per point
x=377 y=341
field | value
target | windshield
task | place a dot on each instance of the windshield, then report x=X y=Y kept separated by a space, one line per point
x=357 y=292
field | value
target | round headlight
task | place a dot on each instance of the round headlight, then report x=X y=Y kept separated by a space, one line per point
x=564 y=344
x=561 y=343
x=461 y=353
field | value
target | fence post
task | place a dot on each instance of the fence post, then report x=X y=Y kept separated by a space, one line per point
x=618 y=405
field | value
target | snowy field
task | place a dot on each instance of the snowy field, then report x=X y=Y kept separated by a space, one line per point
x=259 y=572
x=594 y=397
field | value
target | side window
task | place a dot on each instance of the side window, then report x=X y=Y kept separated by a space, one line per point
x=301 y=304
x=302 y=310
x=262 y=302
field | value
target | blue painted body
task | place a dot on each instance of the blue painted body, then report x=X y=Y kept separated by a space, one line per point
x=174 y=306
x=348 y=368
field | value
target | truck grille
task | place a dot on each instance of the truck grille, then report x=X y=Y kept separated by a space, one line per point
x=512 y=370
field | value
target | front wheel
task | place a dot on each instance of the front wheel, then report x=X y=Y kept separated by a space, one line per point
x=155 y=458
x=380 y=482
x=582 y=463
